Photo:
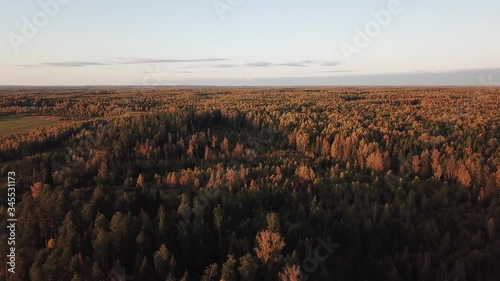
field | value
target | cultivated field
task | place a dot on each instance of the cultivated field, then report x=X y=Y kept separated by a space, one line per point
x=12 y=125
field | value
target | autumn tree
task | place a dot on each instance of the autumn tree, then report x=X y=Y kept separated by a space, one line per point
x=211 y=272
x=161 y=261
x=248 y=267
x=290 y=273
x=228 y=272
x=270 y=243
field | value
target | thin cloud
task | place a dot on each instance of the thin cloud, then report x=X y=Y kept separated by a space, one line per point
x=180 y=71
x=330 y=63
x=259 y=64
x=459 y=77
x=308 y=61
x=155 y=60
x=303 y=63
x=227 y=65
x=129 y=61
x=28 y=65
x=293 y=64
x=166 y=71
x=71 y=64
x=137 y=61
x=334 y=71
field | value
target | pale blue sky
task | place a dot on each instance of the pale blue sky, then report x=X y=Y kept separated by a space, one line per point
x=257 y=42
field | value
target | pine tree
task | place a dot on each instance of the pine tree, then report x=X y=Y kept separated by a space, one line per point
x=185 y=277
x=140 y=181
x=218 y=224
x=119 y=230
x=96 y=272
x=228 y=272
x=491 y=228
x=273 y=222
x=248 y=268
x=161 y=261
x=145 y=270
x=68 y=237
x=101 y=247
x=162 y=222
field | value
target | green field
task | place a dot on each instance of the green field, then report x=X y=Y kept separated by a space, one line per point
x=11 y=124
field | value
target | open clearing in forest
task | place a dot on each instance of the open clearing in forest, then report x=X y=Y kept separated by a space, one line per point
x=11 y=124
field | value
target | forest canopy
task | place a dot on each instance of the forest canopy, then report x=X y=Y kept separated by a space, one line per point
x=255 y=183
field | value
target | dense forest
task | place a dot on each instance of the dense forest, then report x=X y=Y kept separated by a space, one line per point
x=254 y=184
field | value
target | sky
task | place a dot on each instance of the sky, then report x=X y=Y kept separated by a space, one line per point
x=249 y=42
